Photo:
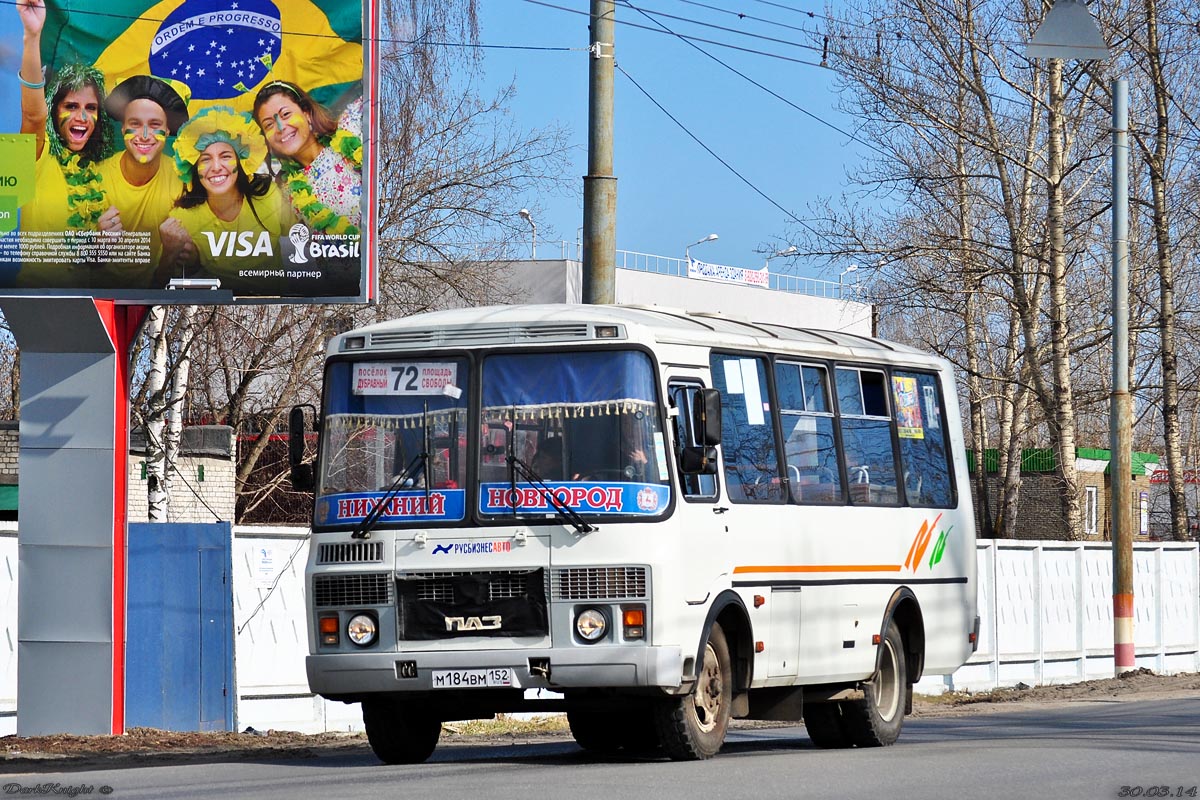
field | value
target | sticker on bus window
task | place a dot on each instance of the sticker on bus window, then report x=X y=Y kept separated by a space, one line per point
x=425 y=378
x=660 y=453
x=406 y=506
x=908 y=408
x=932 y=414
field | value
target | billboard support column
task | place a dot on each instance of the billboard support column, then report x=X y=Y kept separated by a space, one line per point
x=74 y=454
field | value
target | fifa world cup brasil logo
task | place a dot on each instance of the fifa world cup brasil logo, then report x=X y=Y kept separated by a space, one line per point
x=299 y=237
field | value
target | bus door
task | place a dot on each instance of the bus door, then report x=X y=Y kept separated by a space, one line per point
x=705 y=532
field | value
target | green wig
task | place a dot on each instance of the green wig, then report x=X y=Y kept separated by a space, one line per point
x=73 y=78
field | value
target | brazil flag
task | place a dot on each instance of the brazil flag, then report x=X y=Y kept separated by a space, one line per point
x=224 y=50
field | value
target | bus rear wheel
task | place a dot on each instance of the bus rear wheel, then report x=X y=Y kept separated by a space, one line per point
x=875 y=721
x=693 y=726
x=400 y=733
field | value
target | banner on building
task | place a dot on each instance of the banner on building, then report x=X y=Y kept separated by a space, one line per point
x=718 y=272
x=188 y=144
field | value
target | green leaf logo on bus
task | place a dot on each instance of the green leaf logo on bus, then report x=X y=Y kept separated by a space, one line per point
x=921 y=544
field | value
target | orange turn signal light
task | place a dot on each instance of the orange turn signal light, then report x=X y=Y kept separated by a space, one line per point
x=328 y=627
x=633 y=622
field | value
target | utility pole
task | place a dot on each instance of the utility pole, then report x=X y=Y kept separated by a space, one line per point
x=1120 y=435
x=599 y=185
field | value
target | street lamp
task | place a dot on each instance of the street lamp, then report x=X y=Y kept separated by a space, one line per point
x=791 y=251
x=712 y=237
x=1068 y=31
x=847 y=270
x=525 y=215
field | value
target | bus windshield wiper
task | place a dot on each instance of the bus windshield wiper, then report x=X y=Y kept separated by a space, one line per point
x=564 y=511
x=363 y=531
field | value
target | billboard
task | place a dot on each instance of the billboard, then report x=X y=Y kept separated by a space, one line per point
x=218 y=147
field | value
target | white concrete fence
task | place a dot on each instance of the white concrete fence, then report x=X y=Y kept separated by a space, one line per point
x=1045 y=608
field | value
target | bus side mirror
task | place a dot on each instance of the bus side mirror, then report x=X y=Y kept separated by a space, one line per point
x=301 y=473
x=698 y=461
x=706 y=416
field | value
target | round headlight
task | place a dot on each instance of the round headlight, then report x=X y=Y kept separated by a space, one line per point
x=591 y=625
x=361 y=629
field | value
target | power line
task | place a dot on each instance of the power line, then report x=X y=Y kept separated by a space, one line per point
x=771 y=92
x=713 y=153
x=679 y=35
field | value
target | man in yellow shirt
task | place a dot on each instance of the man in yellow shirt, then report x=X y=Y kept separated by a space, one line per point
x=141 y=187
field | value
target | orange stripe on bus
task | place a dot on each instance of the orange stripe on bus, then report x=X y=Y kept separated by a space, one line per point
x=819 y=568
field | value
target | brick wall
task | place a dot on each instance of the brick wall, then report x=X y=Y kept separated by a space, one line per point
x=203 y=491
x=1039 y=506
x=10 y=446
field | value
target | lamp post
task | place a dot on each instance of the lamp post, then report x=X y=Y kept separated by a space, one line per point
x=687 y=255
x=790 y=251
x=1068 y=31
x=847 y=270
x=525 y=215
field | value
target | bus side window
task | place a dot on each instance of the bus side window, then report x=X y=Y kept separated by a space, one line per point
x=922 y=434
x=682 y=396
x=866 y=430
x=747 y=432
x=809 y=448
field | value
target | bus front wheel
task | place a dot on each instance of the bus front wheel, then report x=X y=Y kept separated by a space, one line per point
x=400 y=733
x=875 y=721
x=692 y=727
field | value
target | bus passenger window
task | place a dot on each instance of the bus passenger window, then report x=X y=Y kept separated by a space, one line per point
x=922 y=433
x=682 y=398
x=747 y=433
x=809 y=449
x=867 y=437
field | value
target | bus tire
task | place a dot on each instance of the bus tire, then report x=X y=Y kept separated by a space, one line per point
x=692 y=727
x=400 y=734
x=875 y=721
x=596 y=731
x=825 y=725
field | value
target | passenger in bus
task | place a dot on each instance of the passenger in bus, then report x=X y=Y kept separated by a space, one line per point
x=547 y=462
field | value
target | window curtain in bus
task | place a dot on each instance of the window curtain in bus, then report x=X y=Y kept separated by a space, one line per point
x=605 y=382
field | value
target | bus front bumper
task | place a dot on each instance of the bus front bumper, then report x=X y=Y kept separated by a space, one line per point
x=583 y=667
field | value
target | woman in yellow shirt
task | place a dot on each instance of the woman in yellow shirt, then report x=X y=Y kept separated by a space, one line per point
x=71 y=139
x=229 y=221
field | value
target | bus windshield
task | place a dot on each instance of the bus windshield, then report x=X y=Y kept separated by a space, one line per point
x=386 y=418
x=587 y=424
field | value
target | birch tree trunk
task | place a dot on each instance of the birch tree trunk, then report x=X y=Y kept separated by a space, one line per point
x=1157 y=161
x=154 y=422
x=1062 y=400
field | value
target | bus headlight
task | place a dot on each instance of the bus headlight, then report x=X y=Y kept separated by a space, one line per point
x=591 y=625
x=362 y=629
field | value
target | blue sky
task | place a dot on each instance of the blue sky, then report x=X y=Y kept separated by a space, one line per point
x=670 y=191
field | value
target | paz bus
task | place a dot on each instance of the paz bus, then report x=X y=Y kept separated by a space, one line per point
x=652 y=520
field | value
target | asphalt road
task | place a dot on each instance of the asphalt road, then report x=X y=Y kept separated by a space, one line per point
x=1083 y=750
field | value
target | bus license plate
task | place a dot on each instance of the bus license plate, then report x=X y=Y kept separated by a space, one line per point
x=471 y=678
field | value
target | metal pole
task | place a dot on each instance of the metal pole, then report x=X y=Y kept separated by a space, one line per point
x=599 y=185
x=1120 y=435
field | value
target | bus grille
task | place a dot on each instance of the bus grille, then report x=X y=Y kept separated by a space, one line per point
x=351 y=553
x=373 y=589
x=438 y=587
x=599 y=583
x=483 y=334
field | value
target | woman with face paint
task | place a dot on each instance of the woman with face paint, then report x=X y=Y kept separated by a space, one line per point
x=71 y=140
x=320 y=161
x=229 y=221
x=142 y=186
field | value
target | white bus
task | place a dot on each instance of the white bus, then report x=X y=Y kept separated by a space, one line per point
x=651 y=519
